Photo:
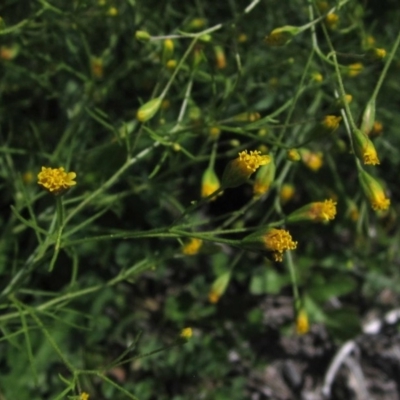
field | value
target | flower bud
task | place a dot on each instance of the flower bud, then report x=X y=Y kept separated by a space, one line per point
x=311 y=160
x=368 y=118
x=219 y=286
x=354 y=69
x=364 y=148
x=315 y=212
x=148 y=110
x=375 y=54
x=142 y=36
x=8 y=53
x=330 y=123
x=293 y=155
x=168 y=50
x=332 y=21
x=96 y=64
x=192 y=247
x=214 y=132
x=264 y=178
x=209 y=183
x=281 y=36
x=238 y=171
x=287 y=192
x=220 y=58
x=186 y=333
x=273 y=240
x=302 y=323
x=373 y=191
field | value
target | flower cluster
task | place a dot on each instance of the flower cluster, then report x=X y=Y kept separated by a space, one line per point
x=56 y=180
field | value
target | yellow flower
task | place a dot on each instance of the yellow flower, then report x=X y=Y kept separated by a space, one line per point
x=302 y=324
x=364 y=148
x=332 y=20
x=287 y=193
x=84 y=396
x=354 y=69
x=56 y=180
x=331 y=122
x=214 y=132
x=239 y=170
x=377 y=129
x=317 y=77
x=112 y=12
x=192 y=247
x=313 y=161
x=317 y=212
x=293 y=155
x=374 y=192
x=277 y=241
x=186 y=333
x=273 y=240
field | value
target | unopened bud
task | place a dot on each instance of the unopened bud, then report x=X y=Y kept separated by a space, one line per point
x=368 y=117
x=142 y=36
x=281 y=36
x=264 y=178
x=148 y=110
x=364 y=148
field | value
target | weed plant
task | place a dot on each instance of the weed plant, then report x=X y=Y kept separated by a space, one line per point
x=166 y=166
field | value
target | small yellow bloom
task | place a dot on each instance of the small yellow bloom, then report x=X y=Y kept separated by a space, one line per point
x=317 y=212
x=186 y=333
x=273 y=240
x=332 y=20
x=313 y=161
x=214 y=132
x=380 y=53
x=56 y=180
x=374 y=192
x=293 y=155
x=192 y=247
x=331 y=122
x=287 y=192
x=323 y=211
x=317 y=77
x=239 y=170
x=302 y=324
x=277 y=241
x=171 y=64
x=84 y=396
x=364 y=148
x=354 y=69
x=112 y=12
x=27 y=177
x=242 y=38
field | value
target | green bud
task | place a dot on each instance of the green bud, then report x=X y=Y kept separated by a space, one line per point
x=148 y=110
x=368 y=117
x=142 y=36
x=264 y=177
x=281 y=36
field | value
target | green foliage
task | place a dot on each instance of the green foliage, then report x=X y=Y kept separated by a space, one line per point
x=98 y=279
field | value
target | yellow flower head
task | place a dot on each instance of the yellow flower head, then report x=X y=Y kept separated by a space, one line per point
x=84 y=396
x=354 y=69
x=323 y=211
x=56 y=180
x=317 y=212
x=374 y=192
x=331 y=122
x=317 y=77
x=192 y=247
x=186 y=333
x=364 y=148
x=287 y=192
x=293 y=155
x=302 y=324
x=239 y=170
x=273 y=240
x=277 y=241
x=214 y=132
x=313 y=161
x=332 y=20
x=213 y=296
x=377 y=129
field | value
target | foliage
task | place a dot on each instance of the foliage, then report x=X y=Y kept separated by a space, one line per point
x=153 y=106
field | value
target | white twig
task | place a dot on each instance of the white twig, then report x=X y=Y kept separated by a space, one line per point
x=336 y=363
